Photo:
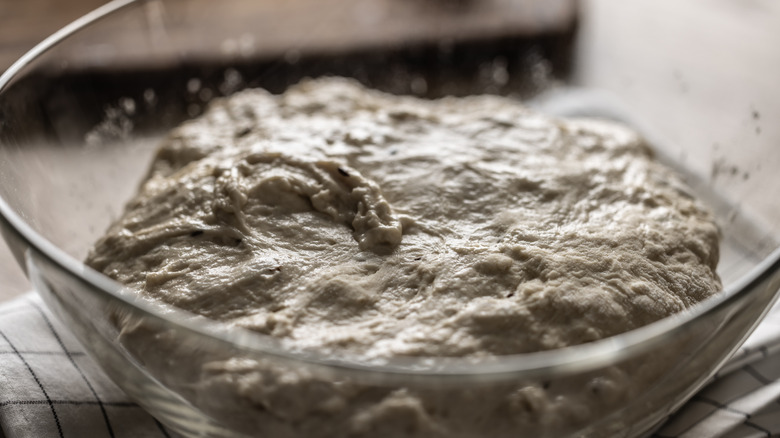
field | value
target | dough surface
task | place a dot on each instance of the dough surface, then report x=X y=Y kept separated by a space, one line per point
x=341 y=219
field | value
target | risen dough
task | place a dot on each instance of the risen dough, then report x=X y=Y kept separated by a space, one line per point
x=342 y=219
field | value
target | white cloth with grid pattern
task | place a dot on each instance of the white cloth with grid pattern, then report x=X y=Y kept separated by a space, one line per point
x=50 y=388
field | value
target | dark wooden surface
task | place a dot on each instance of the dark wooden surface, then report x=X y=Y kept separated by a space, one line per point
x=24 y=23
x=273 y=26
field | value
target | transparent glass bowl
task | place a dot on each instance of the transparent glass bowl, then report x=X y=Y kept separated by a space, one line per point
x=80 y=116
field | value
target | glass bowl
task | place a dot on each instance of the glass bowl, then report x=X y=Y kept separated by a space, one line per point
x=81 y=114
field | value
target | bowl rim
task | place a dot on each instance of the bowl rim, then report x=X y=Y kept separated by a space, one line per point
x=566 y=360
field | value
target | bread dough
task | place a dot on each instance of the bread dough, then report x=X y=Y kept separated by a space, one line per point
x=342 y=219
x=347 y=221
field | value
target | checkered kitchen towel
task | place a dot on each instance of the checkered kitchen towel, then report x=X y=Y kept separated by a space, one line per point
x=50 y=388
